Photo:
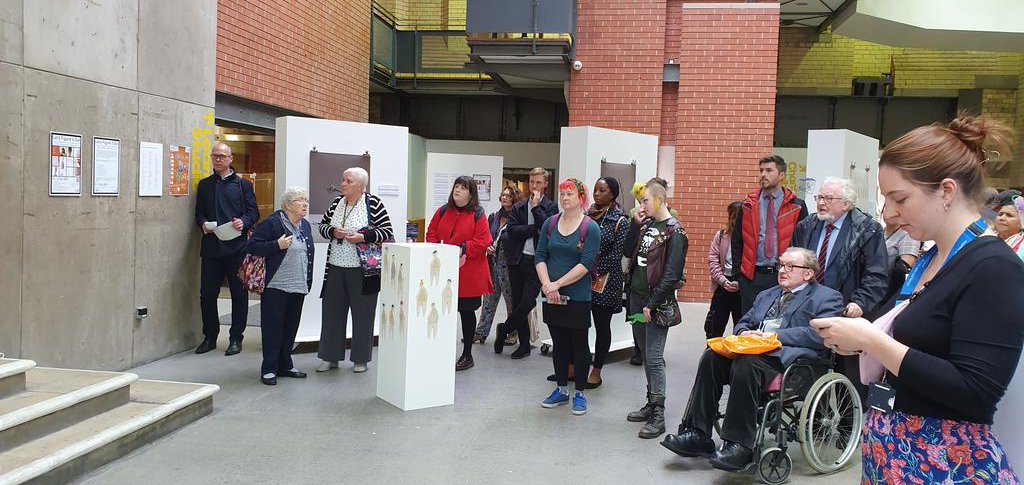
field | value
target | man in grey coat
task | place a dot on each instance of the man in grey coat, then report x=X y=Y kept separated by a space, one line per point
x=785 y=310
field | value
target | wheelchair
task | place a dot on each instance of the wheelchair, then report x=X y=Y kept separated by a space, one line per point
x=810 y=404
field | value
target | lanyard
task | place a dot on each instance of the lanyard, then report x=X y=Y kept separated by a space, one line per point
x=345 y=212
x=973 y=231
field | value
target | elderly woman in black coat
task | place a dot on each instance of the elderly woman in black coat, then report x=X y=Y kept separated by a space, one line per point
x=285 y=240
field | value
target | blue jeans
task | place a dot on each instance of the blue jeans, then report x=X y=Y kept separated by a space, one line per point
x=650 y=338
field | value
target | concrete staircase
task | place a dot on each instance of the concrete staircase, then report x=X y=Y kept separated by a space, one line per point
x=57 y=424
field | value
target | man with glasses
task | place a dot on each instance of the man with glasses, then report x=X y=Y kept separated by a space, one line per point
x=223 y=198
x=850 y=247
x=785 y=310
x=763 y=230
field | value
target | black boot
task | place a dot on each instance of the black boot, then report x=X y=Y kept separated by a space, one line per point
x=206 y=346
x=643 y=414
x=637 y=358
x=655 y=426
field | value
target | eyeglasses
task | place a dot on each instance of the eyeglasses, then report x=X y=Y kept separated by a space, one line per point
x=789 y=267
x=828 y=199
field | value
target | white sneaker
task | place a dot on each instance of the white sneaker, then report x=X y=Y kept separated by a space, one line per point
x=327 y=365
x=359 y=368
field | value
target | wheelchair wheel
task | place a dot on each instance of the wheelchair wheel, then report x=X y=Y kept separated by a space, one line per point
x=830 y=422
x=774 y=466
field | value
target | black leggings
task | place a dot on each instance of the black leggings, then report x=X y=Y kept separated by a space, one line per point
x=467 y=311
x=603 y=328
x=570 y=346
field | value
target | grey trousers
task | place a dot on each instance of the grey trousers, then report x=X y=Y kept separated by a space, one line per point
x=650 y=338
x=343 y=291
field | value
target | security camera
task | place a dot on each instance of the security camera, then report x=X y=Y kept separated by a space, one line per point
x=577 y=65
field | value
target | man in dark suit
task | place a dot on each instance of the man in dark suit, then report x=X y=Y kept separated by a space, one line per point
x=850 y=247
x=785 y=310
x=524 y=224
x=852 y=257
x=223 y=198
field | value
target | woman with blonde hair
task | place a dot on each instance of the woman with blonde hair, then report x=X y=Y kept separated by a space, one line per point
x=657 y=251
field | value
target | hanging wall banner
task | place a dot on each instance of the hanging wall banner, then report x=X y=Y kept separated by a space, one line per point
x=106 y=166
x=150 y=169
x=65 y=164
x=180 y=157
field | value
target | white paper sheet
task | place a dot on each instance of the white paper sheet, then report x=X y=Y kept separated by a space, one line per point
x=106 y=166
x=151 y=160
x=225 y=232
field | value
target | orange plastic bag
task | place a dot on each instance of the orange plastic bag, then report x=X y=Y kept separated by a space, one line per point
x=732 y=345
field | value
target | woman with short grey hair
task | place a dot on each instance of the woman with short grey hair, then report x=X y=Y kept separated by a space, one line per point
x=356 y=224
x=285 y=240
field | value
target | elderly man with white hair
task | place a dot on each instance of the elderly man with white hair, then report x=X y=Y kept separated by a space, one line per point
x=850 y=246
x=356 y=224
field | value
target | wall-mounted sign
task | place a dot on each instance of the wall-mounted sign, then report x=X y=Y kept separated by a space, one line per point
x=106 y=166
x=65 y=164
x=151 y=159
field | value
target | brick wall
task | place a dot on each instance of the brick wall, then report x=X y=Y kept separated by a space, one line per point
x=805 y=62
x=621 y=46
x=310 y=57
x=725 y=119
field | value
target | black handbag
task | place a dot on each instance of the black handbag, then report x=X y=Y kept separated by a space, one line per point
x=667 y=314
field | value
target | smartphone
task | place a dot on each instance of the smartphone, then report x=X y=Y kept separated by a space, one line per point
x=562 y=300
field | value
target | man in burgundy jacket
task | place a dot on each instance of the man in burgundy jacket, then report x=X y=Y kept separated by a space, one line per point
x=763 y=230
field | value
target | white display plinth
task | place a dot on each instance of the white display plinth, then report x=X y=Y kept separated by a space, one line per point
x=845 y=154
x=419 y=318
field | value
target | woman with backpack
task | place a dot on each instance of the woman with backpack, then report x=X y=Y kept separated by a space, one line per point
x=461 y=223
x=606 y=288
x=657 y=251
x=566 y=253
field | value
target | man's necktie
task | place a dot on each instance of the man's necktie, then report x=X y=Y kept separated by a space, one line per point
x=823 y=253
x=777 y=309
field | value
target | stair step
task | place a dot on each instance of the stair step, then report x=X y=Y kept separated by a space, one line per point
x=156 y=408
x=56 y=398
x=12 y=376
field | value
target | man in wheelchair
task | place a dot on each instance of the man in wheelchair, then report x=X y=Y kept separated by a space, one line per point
x=785 y=310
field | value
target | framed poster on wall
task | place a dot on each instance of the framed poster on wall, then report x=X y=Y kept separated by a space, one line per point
x=483 y=186
x=106 y=166
x=65 y=164
x=178 y=178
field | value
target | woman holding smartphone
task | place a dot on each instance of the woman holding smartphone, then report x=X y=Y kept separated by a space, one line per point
x=566 y=253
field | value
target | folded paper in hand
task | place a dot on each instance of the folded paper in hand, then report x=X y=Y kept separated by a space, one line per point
x=225 y=232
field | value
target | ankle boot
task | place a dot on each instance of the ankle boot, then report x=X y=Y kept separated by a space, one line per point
x=655 y=426
x=642 y=414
